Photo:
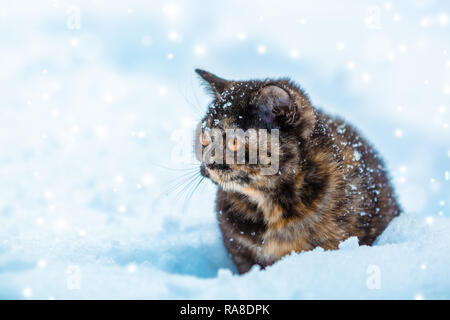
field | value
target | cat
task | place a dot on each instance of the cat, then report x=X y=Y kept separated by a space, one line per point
x=331 y=184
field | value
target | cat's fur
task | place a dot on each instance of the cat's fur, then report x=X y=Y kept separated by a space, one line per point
x=331 y=185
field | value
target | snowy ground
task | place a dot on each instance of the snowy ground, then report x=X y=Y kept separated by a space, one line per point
x=96 y=121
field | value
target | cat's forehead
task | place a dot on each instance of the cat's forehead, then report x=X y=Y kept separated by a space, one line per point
x=219 y=119
x=231 y=107
x=238 y=89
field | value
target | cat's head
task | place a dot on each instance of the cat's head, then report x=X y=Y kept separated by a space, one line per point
x=253 y=110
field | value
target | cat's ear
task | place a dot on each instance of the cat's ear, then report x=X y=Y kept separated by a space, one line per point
x=275 y=106
x=213 y=83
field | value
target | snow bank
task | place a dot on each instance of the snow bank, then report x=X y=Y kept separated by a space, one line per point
x=410 y=262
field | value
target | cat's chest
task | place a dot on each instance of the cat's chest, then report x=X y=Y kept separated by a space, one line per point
x=256 y=240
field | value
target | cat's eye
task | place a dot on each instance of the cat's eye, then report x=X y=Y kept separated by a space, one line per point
x=204 y=139
x=233 y=144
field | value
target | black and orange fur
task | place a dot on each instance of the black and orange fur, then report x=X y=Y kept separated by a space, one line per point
x=331 y=185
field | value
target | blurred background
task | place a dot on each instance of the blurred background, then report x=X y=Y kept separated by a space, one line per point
x=98 y=105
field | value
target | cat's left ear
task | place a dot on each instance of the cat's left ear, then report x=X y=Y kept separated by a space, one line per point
x=278 y=106
x=275 y=106
x=214 y=84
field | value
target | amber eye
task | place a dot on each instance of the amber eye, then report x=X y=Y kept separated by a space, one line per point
x=204 y=139
x=234 y=144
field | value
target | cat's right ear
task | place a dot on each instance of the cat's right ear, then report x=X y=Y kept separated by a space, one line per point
x=213 y=83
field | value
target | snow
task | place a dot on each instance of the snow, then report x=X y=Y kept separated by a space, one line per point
x=96 y=127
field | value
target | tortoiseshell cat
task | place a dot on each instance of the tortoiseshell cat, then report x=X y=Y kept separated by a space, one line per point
x=331 y=184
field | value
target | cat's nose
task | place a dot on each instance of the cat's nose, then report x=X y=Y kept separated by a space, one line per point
x=203 y=171
x=216 y=166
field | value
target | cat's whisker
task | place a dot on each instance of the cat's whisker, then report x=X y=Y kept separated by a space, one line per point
x=184 y=189
x=191 y=166
x=180 y=182
x=177 y=183
x=193 y=107
x=187 y=185
x=192 y=192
